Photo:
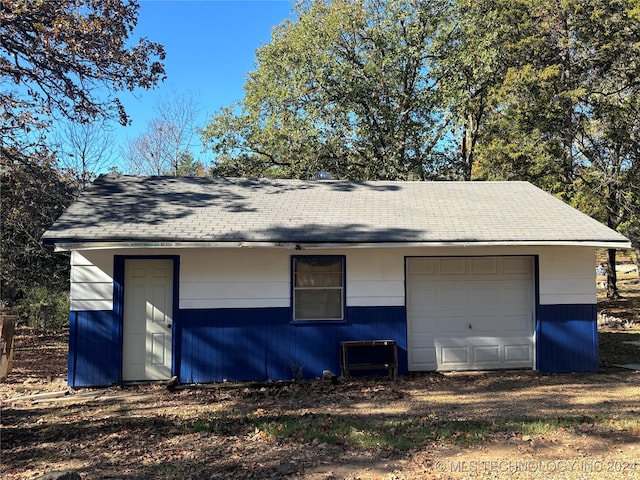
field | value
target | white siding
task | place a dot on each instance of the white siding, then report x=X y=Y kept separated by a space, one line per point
x=234 y=278
x=374 y=277
x=255 y=278
x=567 y=276
x=260 y=277
x=91 y=281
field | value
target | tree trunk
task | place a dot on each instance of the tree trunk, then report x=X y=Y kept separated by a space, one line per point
x=636 y=247
x=612 y=278
x=567 y=105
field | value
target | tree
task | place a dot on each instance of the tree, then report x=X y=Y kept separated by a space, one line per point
x=188 y=166
x=609 y=137
x=62 y=60
x=632 y=230
x=84 y=149
x=563 y=111
x=345 y=88
x=68 y=58
x=525 y=133
x=34 y=194
x=471 y=62
x=148 y=154
x=610 y=175
x=562 y=59
x=168 y=141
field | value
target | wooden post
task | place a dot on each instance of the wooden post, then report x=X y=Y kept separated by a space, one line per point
x=7 y=329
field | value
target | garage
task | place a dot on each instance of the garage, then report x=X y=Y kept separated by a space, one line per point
x=470 y=313
x=454 y=272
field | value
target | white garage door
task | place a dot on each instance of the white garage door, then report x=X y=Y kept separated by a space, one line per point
x=470 y=313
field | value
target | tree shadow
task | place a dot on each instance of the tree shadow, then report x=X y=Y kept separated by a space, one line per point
x=216 y=209
x=270 y=430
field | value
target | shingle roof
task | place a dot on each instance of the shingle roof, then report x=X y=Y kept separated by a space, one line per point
x=188 y=209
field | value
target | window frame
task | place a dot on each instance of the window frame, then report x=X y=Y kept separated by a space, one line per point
x=342 y=288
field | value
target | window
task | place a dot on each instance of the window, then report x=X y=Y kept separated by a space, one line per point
x=318 y=288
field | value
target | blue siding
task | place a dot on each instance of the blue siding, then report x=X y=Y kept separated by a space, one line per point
x=567 y=338
x=233 y=344
x=94 y=349
x=260 y=344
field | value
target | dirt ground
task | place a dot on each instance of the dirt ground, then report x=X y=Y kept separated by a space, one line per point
x=485 y=425
x=517 y=424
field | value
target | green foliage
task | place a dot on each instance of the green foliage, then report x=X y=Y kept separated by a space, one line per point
x=534 y=85
x=344 y=89
x=34 y=195
x=64 y=53
x=491 y=89
x=545 y=425
x=549 y=92
x=473 y=52
x=43 y=308
x=187 y=166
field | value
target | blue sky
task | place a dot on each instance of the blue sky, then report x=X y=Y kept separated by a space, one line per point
x=210 y=46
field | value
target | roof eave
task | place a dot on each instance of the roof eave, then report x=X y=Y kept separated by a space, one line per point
x=109 y=245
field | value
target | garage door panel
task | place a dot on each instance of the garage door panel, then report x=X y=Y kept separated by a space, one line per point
x=472 y=353
x=427 y=292
x=452 y=266
x=486 y=354
x=421 y=326
x=424 y=354
x=485 y=295
x=517 y=323
x=425 y=357
x=449 y=324
x=419 y=266
x=518 y=265
x=518 y=353
x=475 y=353
x=452 y=355
x=452 y=295
x=480 y=321
x=483 y=266
x=470 y=313
x=516 y=294
x=504 y=323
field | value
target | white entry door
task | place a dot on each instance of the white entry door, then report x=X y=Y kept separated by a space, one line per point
x=470 y=313
x=147 y=322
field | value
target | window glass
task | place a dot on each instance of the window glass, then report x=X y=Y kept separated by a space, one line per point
x=318 y=288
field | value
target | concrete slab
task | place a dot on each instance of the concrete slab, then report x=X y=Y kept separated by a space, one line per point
x=629 y=366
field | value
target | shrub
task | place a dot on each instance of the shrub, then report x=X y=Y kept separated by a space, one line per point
x=44 y=309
